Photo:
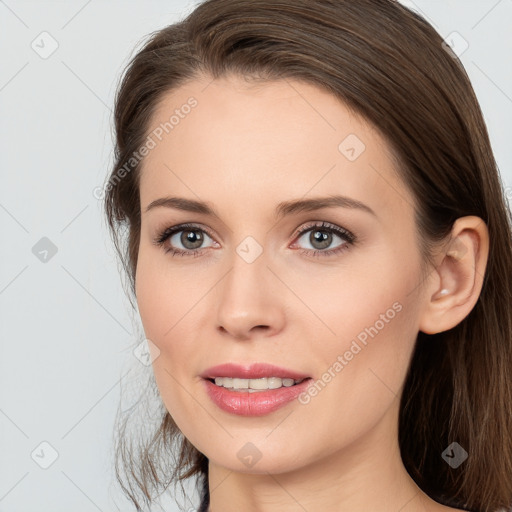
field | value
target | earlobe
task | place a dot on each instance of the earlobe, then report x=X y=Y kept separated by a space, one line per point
x=457 y=280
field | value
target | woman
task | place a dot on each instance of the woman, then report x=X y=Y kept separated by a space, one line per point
x=320 y=250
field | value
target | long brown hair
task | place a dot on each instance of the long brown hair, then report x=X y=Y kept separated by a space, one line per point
x=390 y=66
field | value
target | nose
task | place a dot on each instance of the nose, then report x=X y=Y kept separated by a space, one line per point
x=250 y=301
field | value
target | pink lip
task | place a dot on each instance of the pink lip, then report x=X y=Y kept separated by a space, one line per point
x=252 y=371
x=259 y=403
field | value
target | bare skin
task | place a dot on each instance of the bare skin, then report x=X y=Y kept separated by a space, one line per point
x=244 y=149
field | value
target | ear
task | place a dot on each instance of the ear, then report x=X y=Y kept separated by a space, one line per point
x=455 y=284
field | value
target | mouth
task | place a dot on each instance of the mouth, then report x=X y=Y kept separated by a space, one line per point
x=255 y=385
x=253 y=375
x=254 y=396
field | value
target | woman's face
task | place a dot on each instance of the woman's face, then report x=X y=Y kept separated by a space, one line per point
x=246 y=287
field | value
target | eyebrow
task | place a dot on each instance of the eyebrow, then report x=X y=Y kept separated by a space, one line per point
x=283 y=209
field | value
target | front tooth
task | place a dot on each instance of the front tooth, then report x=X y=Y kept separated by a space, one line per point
x=239 y=383
x=253 y=384
x=258 y=383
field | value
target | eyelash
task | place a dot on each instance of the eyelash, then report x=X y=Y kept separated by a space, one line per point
x=346 y=235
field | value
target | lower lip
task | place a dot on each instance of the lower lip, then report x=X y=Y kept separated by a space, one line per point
x=259 y=403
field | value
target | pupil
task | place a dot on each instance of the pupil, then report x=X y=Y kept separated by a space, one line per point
x=195 y=238
x=321 y=237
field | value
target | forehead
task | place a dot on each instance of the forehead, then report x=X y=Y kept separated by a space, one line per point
x=230 y=140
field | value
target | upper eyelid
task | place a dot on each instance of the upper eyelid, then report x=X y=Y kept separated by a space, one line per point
x=328 y=226
x=300 y=231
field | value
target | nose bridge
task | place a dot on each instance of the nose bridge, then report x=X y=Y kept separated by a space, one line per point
x=247 y=297
x=246 y=283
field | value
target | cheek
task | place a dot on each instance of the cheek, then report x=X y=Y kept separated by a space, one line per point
x=169 y=308
x=369 y=325
x=163 y=296
x=150 y=302
x=350 y=301
x=364 y=368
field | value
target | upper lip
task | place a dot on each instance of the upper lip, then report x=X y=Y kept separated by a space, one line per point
x=251 y=371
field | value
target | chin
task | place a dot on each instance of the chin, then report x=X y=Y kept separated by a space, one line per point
x=246 y=457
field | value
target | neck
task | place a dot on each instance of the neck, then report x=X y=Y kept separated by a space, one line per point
x=366 y=475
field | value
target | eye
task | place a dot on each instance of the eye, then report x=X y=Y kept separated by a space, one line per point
x=191 y=239
x=189 y=236
x=321 y=236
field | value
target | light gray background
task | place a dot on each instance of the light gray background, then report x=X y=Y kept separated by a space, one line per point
x=66 y=330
